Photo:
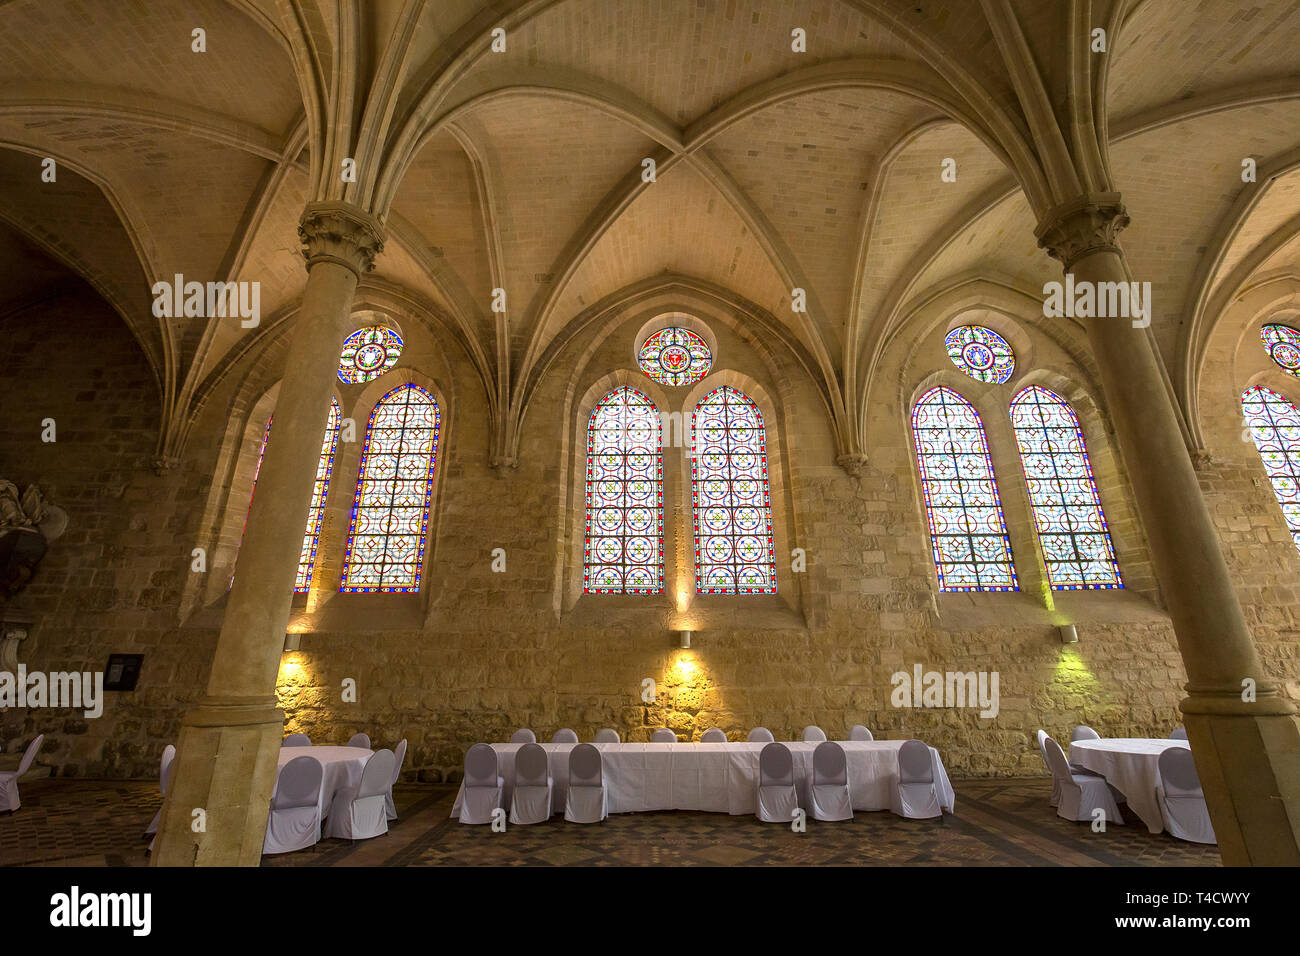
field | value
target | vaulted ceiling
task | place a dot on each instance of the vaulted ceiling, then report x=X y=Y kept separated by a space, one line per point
x=522 y=169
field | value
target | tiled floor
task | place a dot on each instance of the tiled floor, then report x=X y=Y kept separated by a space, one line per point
x=1003 y=822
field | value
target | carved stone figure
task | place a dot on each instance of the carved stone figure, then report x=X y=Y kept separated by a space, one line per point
x=28 y=523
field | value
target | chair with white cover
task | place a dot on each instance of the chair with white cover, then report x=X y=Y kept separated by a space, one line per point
x=359 y=813
x=918 y=796
x=663 y=736
x=1182 y=802
x=9 y=778
x=761 y=735
x=608 y=735
x=164 y=772
x=830 y=783
x=360 y=740
x=296 y=740
x=565 y=736
x=586 y=801
x=858 y=732
x=523 y=736
x=812 y=733
x=1179 y=733
x=714 y=735
x=777 y=797
x=294 y=823
x=1081 y=793
x=1056 y=784
x=399 y=755
x=1084 y=732
x=484 y=785
x=531 y=802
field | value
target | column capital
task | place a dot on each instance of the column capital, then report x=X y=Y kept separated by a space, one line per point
x=341 y=233
x=1091 y=223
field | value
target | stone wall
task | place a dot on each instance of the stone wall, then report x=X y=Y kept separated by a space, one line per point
x=479 y=653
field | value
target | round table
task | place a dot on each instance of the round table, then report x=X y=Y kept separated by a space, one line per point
x=1130 y=765
x=342 y=765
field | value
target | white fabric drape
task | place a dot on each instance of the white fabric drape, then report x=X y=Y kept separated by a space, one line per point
x=1131 y=765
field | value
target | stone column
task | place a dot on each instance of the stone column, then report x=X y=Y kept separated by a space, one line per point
x=1247 y=751
x=227 y=752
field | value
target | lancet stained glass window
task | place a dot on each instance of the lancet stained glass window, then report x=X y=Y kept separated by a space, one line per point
x=967 y=529
x=730 y=496
x=390 y=514
x=624 y=550
x=675 y=357
x=316 y=513
x=981 y=353
x=1283 y=345
x=1063 y=492
x=1274 y=424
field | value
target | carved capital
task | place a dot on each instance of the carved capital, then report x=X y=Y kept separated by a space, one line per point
x=852 y=463
x=504 y=462
x=341 y=233
x=1078 y=228
x=164 y=463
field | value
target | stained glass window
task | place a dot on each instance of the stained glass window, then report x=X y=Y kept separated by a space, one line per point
x=967 y=529
x=1274 y=424
x=329 y=446
x=390 y=514
x=1063 y=493
x=624 y=552
x=316 y=513
x=981 y=353
x=368 y=353
x=675 y=357
x=730 y=496
x=1283 y=344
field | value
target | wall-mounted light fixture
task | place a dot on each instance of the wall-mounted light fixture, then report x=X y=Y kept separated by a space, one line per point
x=1068 y=634
x=292 y=642
x=685 y=638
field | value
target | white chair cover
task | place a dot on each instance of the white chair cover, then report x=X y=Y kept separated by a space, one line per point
x=294 y=823
x=1182 y=802
x=586 y=801
x=296 y=740
x=1180 y=733
x=400 y=755
x=523 y=736
x=831 y=799
x=1084 y=732
x=663 y=736
x=358 y=813
x=565 y=736
x=607 y=735
x=714 y=735
x=777 y=797
x=761 y=735
x=918 y=797
x=1081 y=793
x=860 y=733
x=360 y=740
x=164 y=772
x=483 y=785
x=813 y=733
x=1056 y=784
x=9 y=778
x=531 y=802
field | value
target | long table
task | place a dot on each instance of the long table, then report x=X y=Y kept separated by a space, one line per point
x=720 y=778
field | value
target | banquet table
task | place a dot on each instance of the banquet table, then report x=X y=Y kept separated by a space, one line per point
x=342 y=765
x=720 y=778
x=1130 y=765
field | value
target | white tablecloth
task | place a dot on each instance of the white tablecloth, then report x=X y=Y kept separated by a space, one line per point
x=343 y=766
x=1129 y=764
x=722 y=778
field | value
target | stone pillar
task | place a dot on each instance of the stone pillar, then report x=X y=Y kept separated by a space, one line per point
x=1247 y=752
x=227 y=752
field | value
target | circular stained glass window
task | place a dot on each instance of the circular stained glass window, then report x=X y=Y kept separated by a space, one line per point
x=981 y=353
x=1283 y=344
x=369 y=353
x=675 y=357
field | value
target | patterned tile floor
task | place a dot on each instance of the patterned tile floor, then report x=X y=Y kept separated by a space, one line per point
x=1001 y=822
